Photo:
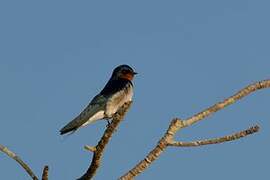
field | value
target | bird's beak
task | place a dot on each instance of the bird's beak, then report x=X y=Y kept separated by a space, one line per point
x=134 y=73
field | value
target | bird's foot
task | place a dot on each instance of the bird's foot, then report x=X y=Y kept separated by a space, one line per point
x=108 y=123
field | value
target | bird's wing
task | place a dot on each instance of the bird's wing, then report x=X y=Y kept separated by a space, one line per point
x=95 y=106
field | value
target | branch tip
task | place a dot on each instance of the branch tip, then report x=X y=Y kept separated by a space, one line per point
x=45 y=173
x=90 y=148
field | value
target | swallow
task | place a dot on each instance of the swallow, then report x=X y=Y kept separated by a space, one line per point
x=117 y=91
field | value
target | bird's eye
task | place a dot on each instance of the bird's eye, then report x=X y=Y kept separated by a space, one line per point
x=125 y=71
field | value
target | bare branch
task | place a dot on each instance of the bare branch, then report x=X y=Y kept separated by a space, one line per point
x=18 y=159
x=219 y=140
x=178 y=124
x=45 y=173
x=99 y=149
x=239 y=95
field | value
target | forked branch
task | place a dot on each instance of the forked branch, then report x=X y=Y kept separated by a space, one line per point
x=178 y=124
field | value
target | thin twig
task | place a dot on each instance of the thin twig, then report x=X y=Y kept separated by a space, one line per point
x=178 y=124
x=239 y=95
x=218 y=140
x=99 y=149
x=19 y=160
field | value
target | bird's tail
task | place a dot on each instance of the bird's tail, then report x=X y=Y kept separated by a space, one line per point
x=73 y=125
x=68 y=128
x=89 y=115
x=80 y=121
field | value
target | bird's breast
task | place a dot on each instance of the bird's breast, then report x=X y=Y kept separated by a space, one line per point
x=118 y=99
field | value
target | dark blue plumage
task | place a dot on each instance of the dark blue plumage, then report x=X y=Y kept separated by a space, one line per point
x=114 y=86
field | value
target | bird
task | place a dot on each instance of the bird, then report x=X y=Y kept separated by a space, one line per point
x=117 y=91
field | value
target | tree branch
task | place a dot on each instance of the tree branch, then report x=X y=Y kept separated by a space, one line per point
x=219 y=140
x=45 y=173
x=178 y=124
x=18 y=159
x=98 y=150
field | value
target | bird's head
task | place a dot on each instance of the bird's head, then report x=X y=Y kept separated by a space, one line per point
x=123 y=72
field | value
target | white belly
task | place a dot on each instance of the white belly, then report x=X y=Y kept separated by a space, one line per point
x=118 y=100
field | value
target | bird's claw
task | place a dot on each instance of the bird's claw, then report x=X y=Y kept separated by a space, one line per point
x=108 y=123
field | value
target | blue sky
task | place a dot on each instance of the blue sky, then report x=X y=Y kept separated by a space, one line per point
x=56 y=55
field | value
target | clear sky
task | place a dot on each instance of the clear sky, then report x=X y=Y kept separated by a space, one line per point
x=56 y=55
